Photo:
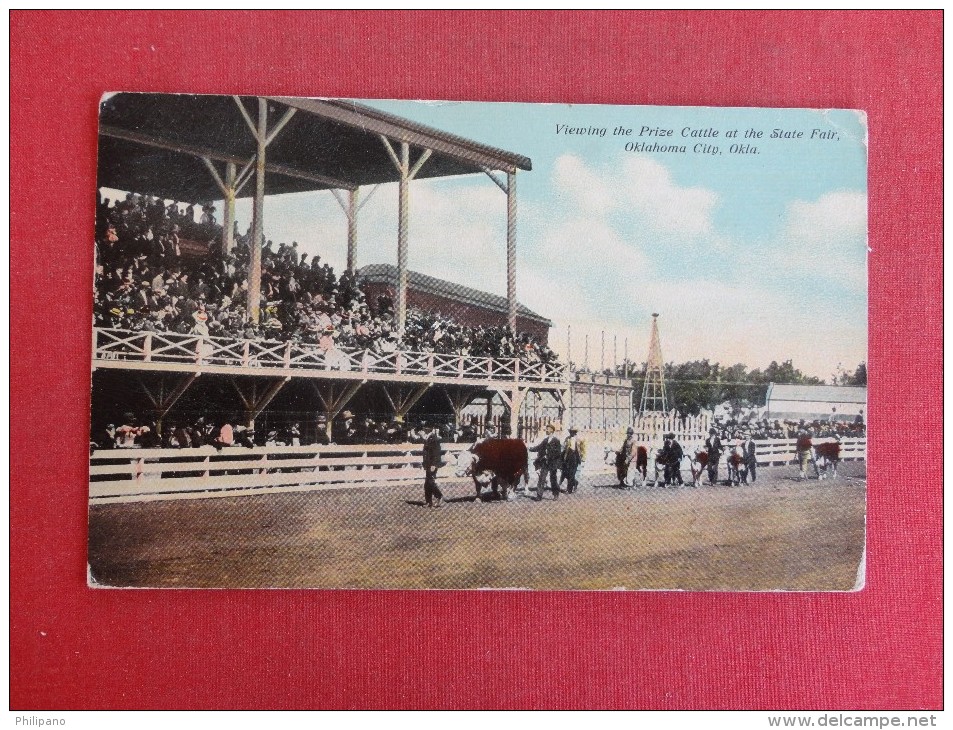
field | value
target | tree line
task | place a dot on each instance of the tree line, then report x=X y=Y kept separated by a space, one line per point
x=701 y=385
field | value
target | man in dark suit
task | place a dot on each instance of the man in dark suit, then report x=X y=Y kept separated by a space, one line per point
x=573 y=453
x=432 y=460
x=714 y=448
x=625 y=456
x=750 y=455
x=548 y=462
x=343 y=430
x=672 y=459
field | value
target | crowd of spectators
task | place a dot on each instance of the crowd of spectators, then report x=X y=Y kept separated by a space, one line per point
x=132 y=431
x=183 y=432
x=160 y=270
x=789 y=429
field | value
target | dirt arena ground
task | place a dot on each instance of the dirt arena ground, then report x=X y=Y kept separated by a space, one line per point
x=778 y=534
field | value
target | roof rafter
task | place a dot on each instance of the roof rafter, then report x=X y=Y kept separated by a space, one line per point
x=374 y=121
x=204 y=152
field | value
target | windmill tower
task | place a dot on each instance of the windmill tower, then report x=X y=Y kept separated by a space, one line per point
x=653 y=392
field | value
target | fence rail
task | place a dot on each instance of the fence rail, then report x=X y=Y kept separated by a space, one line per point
x=136 y=475
x=115 y=348
x=650 y=427
x=772 y=452
x=139 y=475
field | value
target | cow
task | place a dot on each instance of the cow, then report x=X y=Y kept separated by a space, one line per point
x=737 y=467
x=826 y=458
x=495 y=462
x=641 y=461
x=658 y=463
x=698 y=465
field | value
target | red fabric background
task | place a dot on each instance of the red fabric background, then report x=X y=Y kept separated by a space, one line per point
x=76 y=648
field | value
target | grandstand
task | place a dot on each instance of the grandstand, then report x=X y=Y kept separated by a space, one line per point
x=190 y=314
x=454 y=301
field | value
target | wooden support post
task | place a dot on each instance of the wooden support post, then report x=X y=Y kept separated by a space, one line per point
x=459 y=398
x=255 y=404
x=514 y=401
x=163 y=402
x=591 y=397
x=403 y=220
x=352 y=232
x=228 y=215
x=511 y=248
x=568 y=346
x=351 y=208
x=252 y=310
x=571 y=406
x=227 y=186
x=401 y=400
x=602 y=354
x=332 y=401
x=403 y=216
x=324 y=409
x=266 y=398
x=249 y=420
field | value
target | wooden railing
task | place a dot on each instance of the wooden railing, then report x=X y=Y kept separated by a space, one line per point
x=768 y=452
x=772 y=452
x=688 y=429
x=113 y=346
x=138 y=475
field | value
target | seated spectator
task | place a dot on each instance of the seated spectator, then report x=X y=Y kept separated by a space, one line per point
x=145 y=283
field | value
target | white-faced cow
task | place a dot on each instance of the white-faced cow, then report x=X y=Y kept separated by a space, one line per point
x=624 y=463
x=697 y=465
x=737 y=466
x=497 y=463
x=826 y=457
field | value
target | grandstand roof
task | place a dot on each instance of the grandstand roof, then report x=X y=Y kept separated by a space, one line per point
x=153 y=144
x=387 y=274
x=816 y=393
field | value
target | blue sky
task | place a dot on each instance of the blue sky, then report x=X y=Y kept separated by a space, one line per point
x=747 y=257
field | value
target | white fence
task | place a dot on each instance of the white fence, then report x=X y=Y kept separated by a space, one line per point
x=650 y=428
x=137 y=475
x=768 y=452
x=771 y=452
x=195 y=352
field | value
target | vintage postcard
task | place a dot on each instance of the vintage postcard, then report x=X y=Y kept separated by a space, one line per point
x=444 y=345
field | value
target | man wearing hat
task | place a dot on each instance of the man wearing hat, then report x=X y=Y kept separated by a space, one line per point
x=129 y=431
x=749 y=453
x=624 y=458
x=432 y=460
x=548 y=461
x=489 y=432
x=321 y=437
x=344 y=430
x=714 y=448
x=574 y=453
x=672 y=459
x=104 y=438
x=200 y=327
x=804 y=446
